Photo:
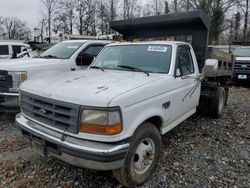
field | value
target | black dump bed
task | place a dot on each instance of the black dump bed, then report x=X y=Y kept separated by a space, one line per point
x=191 y=26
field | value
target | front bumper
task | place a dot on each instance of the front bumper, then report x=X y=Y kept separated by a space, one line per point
x=78 y=152
x=9 y=102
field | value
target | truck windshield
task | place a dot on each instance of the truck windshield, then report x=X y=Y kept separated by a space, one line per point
x=63 y=50
x=149 y=58
x=242 y=52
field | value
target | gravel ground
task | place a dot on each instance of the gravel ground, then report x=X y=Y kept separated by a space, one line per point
x=201 y=152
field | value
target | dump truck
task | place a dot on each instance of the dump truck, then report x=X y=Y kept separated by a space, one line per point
x=112 y=115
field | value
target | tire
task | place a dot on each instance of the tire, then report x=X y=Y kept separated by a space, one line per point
x=226 y=97
x=218 y=102
x=147 y=140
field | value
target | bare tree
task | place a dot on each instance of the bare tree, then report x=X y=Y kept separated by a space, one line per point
x=130 y=8
x=155 y=7
x=209 y=5
x=106 y=12
x=103 y=21
x=244 y=5
x=112 y=9
x=86 y=17
x=175 y=5
x=158 y=6
x=2 y=34
x=13 y=28
x=237 y=25
x=41 y=26
x=50 y=8
x=66 y=16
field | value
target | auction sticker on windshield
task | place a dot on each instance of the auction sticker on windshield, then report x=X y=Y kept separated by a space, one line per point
x=72 y=47
x=157 y=49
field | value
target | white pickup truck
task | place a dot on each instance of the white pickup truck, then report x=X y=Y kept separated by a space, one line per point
x=112 y=116
x=13 y=50
x=62 y=57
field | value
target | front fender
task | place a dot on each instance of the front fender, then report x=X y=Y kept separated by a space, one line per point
x=132 y=119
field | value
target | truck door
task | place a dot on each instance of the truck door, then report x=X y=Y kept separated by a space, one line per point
x=186 y=77
x=87 y=55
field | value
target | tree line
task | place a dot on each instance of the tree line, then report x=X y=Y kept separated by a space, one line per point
x=13 y=28
x=230 y=18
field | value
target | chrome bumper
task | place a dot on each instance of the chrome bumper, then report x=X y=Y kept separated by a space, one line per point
x=9 y=102
x=78 y=152
x=9 y=94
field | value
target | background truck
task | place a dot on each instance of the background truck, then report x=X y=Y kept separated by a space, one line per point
x=241 y=71
x=12 y=50
x=62 y=57
x=112 y=116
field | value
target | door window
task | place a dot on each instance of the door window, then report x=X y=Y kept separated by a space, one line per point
x=94 y=50
x=86 y=57
x=16 y=49
x=184 y=61
x=4 y=50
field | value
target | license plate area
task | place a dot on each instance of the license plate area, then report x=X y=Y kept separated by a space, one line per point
x=242 y=77
x=43 y=147
x=37 y=147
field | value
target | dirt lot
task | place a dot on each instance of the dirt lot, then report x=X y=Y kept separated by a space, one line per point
x=201 y=152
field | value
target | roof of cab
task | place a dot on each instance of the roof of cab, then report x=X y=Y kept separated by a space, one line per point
x=172 y=43
x=12 y=43
x=84 y=41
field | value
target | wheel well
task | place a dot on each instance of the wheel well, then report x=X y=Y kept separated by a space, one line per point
x=156 y=120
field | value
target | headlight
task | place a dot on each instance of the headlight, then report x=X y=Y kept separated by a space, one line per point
x=17 y=79
x=106 y=122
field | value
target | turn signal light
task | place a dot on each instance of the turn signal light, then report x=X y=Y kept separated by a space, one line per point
x=101 y=129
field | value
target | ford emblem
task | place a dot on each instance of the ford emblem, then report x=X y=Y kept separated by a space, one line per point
x=42 y=111
x=244 y=66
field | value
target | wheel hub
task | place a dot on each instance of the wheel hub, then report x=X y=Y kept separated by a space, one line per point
x=144 y=155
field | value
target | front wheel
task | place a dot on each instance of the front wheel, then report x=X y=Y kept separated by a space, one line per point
x=141 y=160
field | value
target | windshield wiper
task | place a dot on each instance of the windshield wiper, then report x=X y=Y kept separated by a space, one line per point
x=96 y=67
x=134 y=68
x=50 y=57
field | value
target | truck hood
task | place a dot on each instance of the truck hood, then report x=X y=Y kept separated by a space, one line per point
x=26 y=64
x=89 y=87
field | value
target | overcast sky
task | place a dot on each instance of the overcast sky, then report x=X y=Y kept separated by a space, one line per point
x=26 y=10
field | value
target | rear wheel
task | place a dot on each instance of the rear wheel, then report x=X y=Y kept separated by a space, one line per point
x=227 y=94
x=145 y=148
x=218 y=102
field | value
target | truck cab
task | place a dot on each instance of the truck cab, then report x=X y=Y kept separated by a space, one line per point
x=112 y=115
x=63 y=57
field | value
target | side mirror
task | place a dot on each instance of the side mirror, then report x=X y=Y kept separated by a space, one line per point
x=211 y=65
x=178 y=72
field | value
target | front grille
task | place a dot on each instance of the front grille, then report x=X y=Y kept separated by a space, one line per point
x=51 y=112
x=5 y=81
x=242 y=65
